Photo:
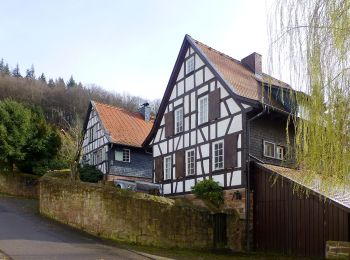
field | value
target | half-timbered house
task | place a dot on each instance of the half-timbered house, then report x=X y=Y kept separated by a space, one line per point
x=113 y=140
x=202 y=126
x=225 y=119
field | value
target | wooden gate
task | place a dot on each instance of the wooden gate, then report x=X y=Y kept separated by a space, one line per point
x=220 y=233
x=292 y=224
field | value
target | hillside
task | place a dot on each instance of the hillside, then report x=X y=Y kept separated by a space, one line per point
x=63 y=103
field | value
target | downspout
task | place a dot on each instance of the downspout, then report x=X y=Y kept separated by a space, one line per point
x=248 y=176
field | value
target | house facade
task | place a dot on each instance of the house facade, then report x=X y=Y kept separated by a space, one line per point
x=113 y=140
x=226 y=120
x=207 y=125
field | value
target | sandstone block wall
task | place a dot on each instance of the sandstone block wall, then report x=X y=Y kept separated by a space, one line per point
x=19 y=184
x=126 y=216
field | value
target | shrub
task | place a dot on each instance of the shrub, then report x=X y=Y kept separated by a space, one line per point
x=90 y=173
x=209 y=190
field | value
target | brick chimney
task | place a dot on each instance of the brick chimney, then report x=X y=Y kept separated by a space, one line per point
x=253 y=62
x=145 y=110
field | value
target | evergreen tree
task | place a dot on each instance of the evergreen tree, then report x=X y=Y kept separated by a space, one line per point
x=16 y=72
x=14 y=132
x=42 y=78
x=60 y=83
x=2 y=65
x=71 y=83
x=30 y=74
x=51 y=83
x=6 y=70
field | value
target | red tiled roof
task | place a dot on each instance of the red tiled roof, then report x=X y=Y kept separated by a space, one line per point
x=244 y=81
x=123 y=127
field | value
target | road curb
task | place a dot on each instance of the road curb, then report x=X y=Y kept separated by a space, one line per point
x=150 y=256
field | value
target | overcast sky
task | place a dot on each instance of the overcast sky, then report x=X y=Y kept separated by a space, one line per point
x=125 y=46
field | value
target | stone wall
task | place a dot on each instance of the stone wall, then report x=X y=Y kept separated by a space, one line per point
x=123 y=215
x=337 y=250
x=236 y=223
x=19 y=184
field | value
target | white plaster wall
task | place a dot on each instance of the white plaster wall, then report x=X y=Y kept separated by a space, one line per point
x=220 y=179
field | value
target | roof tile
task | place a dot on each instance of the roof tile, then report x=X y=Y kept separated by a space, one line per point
x=124 y=127
x=243 y=81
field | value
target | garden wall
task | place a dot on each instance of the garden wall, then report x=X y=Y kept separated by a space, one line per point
x=123 y=215
x=19 y=184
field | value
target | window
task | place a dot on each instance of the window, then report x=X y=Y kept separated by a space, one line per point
x=179 y=122
x=269 y=149
x=126 y=155
x=94 y=155
x=167 y=168
x=280 y=152
x=122 y=155
x=218 y=155
x=190 y=65
x=190 y=162
x=105 y=153
x=99 y=156
x=90 y=135
x=203 y=110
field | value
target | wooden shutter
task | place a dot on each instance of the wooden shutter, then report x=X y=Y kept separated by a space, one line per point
x=180 y=164
x=159 y=169
x=214 y=104
x=169 y=124
x=230 y=153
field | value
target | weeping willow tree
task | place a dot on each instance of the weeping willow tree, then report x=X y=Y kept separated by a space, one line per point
x=312 y=40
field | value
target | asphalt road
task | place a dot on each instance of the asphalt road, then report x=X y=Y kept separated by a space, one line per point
x=24 y=234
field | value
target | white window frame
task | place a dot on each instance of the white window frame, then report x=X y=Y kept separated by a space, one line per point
x=274 y=149
x=167 y=170
x=214 y=156
x=123 y=151
x=179 y=120
x=280 y=152
x=126 y=155
x=203 y=112
x=190 y=65
x=188 y=173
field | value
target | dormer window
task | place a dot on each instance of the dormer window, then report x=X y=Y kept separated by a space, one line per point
x=190 y=65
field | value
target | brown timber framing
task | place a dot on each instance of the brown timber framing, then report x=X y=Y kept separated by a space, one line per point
x=173 y=141
x=188 y=42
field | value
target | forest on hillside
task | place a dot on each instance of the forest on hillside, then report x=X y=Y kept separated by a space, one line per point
x=64 y=104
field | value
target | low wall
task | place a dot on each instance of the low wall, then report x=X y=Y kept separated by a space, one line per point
x=19 y=184
x=127 y=216
x=337 y=250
